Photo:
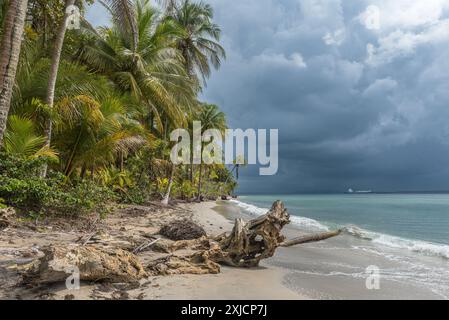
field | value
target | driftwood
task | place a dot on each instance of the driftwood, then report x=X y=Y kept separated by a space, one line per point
x=145 y=246
x=93 y=264
x=247 y=244
x=250 y=242
x=310 y=238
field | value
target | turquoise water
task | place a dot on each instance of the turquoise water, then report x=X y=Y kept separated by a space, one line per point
x=423 y=217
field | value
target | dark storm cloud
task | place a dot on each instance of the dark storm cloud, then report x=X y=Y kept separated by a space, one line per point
x=356 y=107
x=348 y=116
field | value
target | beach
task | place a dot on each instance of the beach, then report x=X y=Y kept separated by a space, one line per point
x=21 y=246
x=331 y=269
x=337 y=268
x=325 y=270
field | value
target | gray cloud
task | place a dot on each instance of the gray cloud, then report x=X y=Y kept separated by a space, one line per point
x=355 y=107
x=348 y=117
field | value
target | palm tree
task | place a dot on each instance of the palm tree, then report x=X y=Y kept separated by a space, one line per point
x=55 y=59
x=124 y=17
x=152 y=73
x=199 y=43
x=10 y=46
x=93 y=133
x=210 y=117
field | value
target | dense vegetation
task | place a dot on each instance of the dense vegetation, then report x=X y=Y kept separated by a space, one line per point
x=92 y=109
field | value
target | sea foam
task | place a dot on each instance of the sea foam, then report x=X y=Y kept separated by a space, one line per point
x=423 y=247
x=306 y=223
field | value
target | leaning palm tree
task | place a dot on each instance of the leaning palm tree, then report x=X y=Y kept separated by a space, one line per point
x=55 y=59
x=210 y=117
x=125 y=17
x=14 y=22
x=199 y=42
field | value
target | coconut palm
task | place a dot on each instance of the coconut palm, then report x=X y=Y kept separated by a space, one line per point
x=54 y=67
x=199 y=42
x=93 y=134
x=11 y=41
x=125 y=18
x=153 y=74
x=210 y=117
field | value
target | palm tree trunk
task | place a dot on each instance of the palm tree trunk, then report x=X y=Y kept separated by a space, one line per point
x=199 y=181
x=170 y=184
x=55 y=59
x=9 y=56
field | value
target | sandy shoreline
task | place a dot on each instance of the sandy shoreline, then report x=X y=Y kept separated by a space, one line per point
x=264 y=283
x=124 y=228
x=336 y=268
x=332 y=269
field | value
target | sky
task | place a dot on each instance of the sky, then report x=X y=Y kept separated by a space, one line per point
x=359 y=90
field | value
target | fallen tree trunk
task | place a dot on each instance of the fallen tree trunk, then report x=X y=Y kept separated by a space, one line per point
x=254 y=240
x=258 y=239
x=310 y=238
x=92 y=263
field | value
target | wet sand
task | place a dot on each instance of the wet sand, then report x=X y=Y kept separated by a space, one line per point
x=337 y=268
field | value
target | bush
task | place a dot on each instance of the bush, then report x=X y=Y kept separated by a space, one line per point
x=21 y=187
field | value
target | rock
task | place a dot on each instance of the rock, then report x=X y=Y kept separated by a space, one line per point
x=182 y=230
x=93 y=263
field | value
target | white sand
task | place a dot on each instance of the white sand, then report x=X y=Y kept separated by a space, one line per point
x=231 y=283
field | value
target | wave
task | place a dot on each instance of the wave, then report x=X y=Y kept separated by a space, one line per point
x=424 y=247
x=302 y=222
x=418 y=246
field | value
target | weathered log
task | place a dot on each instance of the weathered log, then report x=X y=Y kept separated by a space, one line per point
x=258 y=239
x=93 y=264
x=255 y=240
x=310 y=238
x=197 y=263
x=145 y=246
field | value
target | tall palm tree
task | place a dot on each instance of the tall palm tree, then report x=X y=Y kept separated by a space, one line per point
x=14 y=23
x=210 y=117
x=54 y=67
x=124 y=17
x=153 y=74
x=199 y=42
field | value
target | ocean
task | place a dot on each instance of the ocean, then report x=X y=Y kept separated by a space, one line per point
x=407 y=235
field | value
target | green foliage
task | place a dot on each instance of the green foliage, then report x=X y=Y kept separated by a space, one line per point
x=21 y=187
x=120 y=90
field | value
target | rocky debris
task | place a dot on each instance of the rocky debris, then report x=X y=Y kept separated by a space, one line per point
x=6 y=217
x=197 y=263
x=169 y=246
x=93 y=263
x=182 y=230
